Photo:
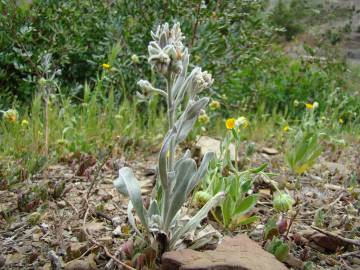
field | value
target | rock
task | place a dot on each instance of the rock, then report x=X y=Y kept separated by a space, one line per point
x=355 y=260
x=106 y=240
x=117 y=232
x=61 y=204
x=86 y=264
x=208 y=144
x=75 y=250
x=238 y=253
x=94 y=227
x=14 y=258
x=334 y=167
x=326 y=242
x=2 y=260
x=270 y=151
x=117 y=221
x=8 y=201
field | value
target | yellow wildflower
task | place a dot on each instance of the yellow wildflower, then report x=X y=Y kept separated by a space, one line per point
x=341 y=121
x=242 y=122
x=10 y=116
x=204 y=118
x=214 y=105
x=105 y=66
x=309 y=106
x=286 y=128
x=230 y=123
x=24 y=123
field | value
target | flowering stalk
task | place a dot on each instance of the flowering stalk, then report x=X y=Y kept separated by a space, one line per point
x=163 y=228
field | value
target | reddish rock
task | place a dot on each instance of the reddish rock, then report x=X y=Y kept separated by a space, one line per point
x=238 y=253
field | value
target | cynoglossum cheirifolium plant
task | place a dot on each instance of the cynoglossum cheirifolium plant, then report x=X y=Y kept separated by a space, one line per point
x=163 y=222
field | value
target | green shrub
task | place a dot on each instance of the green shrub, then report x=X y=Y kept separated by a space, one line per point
x=79 y=35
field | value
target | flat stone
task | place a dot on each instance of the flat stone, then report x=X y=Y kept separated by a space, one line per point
x=238 y=253
x=208 y=144
x=270 y=151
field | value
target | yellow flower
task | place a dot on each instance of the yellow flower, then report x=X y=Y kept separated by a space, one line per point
x=286 y=128
x=309 y=106
x=135 y=59
x=241 y=122
x=10 y=116
x=24 y=123
x=341 y=121
x=230 y=123
x=204 y=118
x=105 y=66
x=214 y=105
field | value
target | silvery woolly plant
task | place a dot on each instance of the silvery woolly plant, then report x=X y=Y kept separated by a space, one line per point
x=165 y=223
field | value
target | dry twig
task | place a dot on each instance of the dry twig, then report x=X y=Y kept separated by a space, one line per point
x=338 y=237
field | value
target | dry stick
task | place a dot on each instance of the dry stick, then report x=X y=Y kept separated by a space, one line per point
x=195 y=24
x=351 y=253
x=46 y=121
x=343 y=239
x=292 y=221
x=97 y=173
x=92 y=240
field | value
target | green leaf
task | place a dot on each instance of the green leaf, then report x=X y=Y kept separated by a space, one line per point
x=163 y=160
x=132 y=219
x=246 y=205
x=187 y=120
x=197 y=218
x=227 y=209
x=248 y=220
x=282 y=252
x=185 y=172
x=134 y=191
x=201 y=171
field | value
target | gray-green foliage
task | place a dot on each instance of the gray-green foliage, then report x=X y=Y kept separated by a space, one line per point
x=163 y=222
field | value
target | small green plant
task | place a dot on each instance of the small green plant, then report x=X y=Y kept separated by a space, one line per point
x=226 y=177
x=278 y=248
x=162 y=226
x=305 y=147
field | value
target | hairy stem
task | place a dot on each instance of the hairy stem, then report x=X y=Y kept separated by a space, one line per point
x=170 y=112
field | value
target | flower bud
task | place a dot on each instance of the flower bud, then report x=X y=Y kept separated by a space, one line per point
x=202 y=80
x=135 y=59
x=145 y=85
x=316 y=105
x=214 y=105
x=24 y=123
x=283 y=202
x=204 y=119
x=42 y=82
x=201 y=198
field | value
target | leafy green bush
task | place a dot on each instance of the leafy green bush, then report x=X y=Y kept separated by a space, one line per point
x=79 y=35
x=288 y=15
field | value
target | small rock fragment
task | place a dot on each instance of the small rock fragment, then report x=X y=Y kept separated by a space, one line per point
x=270 y=151
x=87 y=264
x=117 y=232
x=75 y=250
